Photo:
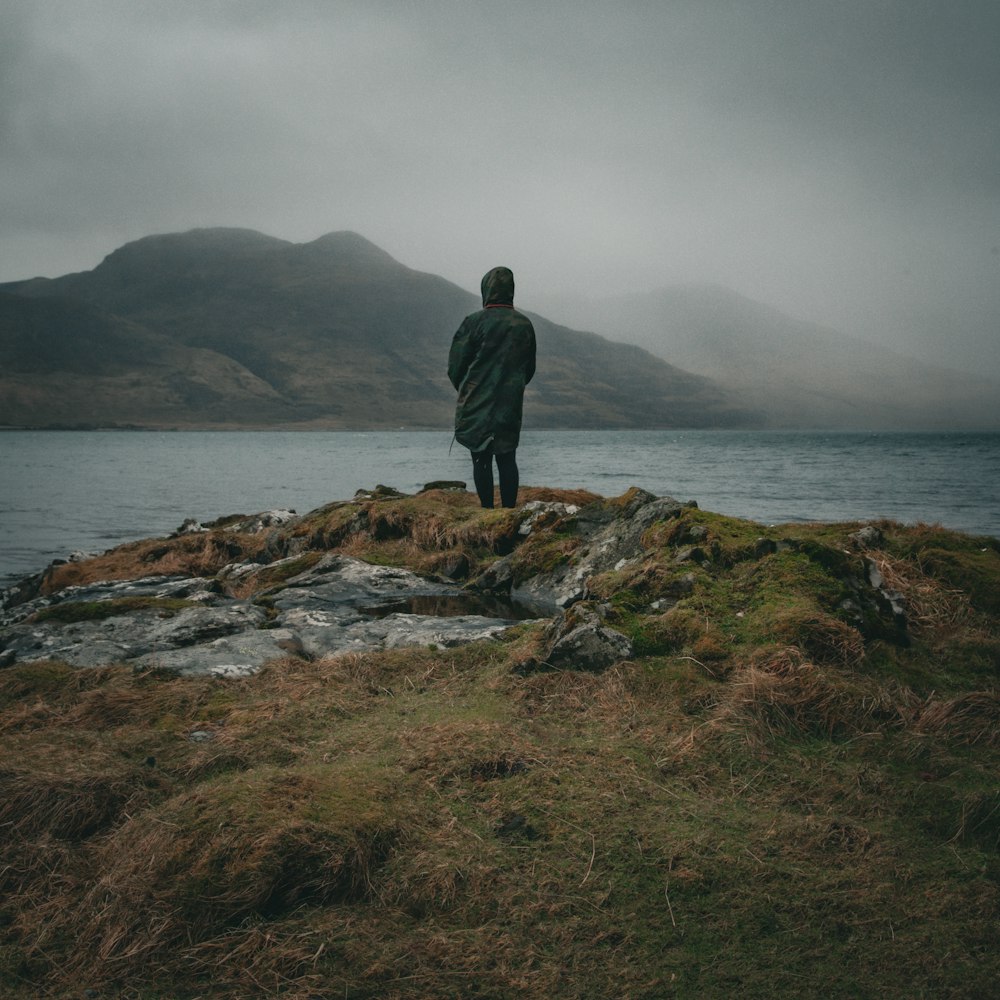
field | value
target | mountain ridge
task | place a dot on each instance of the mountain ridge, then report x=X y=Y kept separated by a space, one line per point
x=334 y=333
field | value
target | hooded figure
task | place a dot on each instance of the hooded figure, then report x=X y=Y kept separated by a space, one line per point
x=492 y=359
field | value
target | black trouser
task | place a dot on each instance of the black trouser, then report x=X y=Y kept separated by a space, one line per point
x=482 y=475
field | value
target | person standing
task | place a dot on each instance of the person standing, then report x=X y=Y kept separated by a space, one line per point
x=492 y=359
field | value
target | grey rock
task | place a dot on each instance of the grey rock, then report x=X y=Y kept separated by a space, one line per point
x=380 y=492
x=589 y=646
x=612 y=537
x=190 y=526
x=690 y=553
x=558 y=589
x=341 y=604
x=343 y=581
x=895 y=600
x=764 y=547
x=868 y=537
x=329 y=609
x=130 y=636
x=252 y=524
x=263 y=522
x=455 y=567
x=187 y=588
x=497 y=578
x=578 y=639
x=232 y=656
x=543 y=513
x=677 y=588
x=400 y=630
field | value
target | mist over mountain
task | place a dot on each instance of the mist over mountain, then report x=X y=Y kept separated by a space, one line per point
x=796 y=374
x=229 y=327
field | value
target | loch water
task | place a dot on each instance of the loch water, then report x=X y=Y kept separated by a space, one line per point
x=62 y=491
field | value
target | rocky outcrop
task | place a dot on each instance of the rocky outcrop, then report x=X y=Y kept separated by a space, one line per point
x=579 y=639
x=609 y=537
x=261 y=587
x=186 y=625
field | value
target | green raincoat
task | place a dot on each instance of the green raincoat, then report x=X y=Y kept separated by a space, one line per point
x=492 y=359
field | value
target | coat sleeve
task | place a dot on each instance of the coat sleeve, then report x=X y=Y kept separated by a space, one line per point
x=529 y=360
x=462 y=352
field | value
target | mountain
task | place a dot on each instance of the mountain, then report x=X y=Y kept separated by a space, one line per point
x=229 y=327
x=796 y=374
x=68 y=363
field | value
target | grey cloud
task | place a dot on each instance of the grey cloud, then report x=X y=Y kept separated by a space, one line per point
x=837 y=159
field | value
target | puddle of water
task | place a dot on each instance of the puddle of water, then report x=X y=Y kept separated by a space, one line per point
x=453 y=606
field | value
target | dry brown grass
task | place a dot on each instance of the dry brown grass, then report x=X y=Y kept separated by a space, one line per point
x=779 y=692
x=201 y=554
x=448 y=750
x=821 y=637
x=67 y=805
x=754 y=805
x=256 y=844
x=930 y=605
x=609 y=696
x=782 y=692
x=972 y=719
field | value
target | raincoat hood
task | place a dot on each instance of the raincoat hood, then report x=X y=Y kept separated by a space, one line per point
x=498 y=287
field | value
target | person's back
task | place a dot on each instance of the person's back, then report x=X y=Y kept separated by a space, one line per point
x=492 y=359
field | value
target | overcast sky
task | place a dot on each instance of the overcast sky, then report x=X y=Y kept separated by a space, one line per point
x=838 y=159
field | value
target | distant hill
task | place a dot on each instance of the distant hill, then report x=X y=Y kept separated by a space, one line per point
x=796 y=374
x=229 y=327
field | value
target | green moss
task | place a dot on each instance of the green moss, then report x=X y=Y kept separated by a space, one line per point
x=90 y=611
x=973 y=571
x=544 y=552
x=278 y=573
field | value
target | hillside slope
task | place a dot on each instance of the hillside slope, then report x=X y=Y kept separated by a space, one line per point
x=64 y=362
x=337 y=333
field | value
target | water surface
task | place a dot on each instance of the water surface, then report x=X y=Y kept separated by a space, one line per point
x=90 y=490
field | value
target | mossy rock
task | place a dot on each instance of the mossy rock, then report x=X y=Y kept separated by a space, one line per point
x=68 y=612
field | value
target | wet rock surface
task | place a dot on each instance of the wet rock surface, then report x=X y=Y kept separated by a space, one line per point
x=183 y=624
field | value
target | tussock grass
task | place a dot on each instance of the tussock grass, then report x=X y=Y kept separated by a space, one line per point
x=824 y=637
x=781 y=693
x=972 y=719
x=67 y=807
x=255 y=845
x=189 y=555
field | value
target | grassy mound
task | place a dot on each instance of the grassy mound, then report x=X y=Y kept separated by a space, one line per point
x=789 y=792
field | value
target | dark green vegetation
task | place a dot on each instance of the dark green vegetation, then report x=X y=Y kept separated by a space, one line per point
x=791 y=791
x=231 y=328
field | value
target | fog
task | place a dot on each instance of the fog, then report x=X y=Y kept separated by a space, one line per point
x=837 y=160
